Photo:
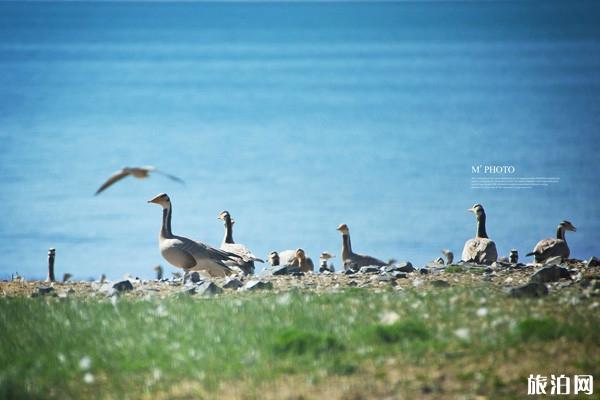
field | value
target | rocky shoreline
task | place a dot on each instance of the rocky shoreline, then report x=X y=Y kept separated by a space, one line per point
x=579 y=279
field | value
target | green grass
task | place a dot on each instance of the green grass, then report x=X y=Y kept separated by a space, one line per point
x=146 y=348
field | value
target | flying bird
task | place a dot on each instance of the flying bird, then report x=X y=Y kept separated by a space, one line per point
x=136 y=172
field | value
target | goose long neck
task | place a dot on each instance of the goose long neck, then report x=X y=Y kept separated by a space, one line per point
x=228 y=231
x=346 y=245
x=165 y=231
x=560 y=233
x=481 y=232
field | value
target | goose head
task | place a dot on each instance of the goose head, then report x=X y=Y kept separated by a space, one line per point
x=567 y=226
x=224 y=215
x=478 y=210
x=162 y=200
x=343 y=228
x=273 y=258
x=300 y=255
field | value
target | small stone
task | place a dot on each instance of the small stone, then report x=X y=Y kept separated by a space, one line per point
x=258 y=285
x=531 y=289
x=123 y=286
x=551 y=273
x=404 y=266
x=232 y=283
x=593 y=262
x=195 y=277
x=208 y=289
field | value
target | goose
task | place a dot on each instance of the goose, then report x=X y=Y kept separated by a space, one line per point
x=286 y=257
x=349 y=257
x=188 y=254
x=323 y=262
x=301 y=261
x=553 y=247
x=449 y=256
x=246 y=257
x=480 y=249
x=273 y=258
x=136 y=172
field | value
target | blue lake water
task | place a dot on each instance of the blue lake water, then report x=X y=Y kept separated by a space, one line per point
x=295 y=118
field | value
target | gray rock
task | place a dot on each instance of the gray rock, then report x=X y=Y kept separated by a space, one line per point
x=593 y=262
x=386 y=278
x=404 y=266
x=123 y=286
x=550 y=273
x=258 y=285
x=44 y=291
x=187 y=291
x=531 y=289
x=440 y=284
x=281 y=270
x=208 y=289
x=195 y=277
x=370 y=269
x=232 y=283
x=399 y=275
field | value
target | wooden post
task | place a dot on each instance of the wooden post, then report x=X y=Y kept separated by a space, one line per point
x=51 y=254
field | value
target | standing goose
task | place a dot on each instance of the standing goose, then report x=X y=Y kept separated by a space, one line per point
x=185 y=253
x=480 y=249
x=349 y=257
x=301 y=261
x=136 y=172
x=245 y=255
x=553 y=247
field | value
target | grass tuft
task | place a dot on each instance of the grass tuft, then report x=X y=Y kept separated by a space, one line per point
x=294 y=341
x=407 y=330
x=542 y=329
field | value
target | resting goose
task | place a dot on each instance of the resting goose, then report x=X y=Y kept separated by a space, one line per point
x=553 y=247
x=286 y=257
x=246 y=257
x=480 y=249
x=349 y=257
x=136 y=172
x=188 y=254
x=301 y=261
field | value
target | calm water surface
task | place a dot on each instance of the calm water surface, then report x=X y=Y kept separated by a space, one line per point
x=295 y=118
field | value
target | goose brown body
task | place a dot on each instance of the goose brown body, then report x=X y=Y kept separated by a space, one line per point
x=349 y=257
x=554 y=247
x=186 y=253
x=480 y=249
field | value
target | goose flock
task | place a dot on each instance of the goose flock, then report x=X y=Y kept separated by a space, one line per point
x=231 y=257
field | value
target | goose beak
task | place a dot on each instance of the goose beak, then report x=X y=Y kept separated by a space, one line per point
x=471 y=210
x=154 y=200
